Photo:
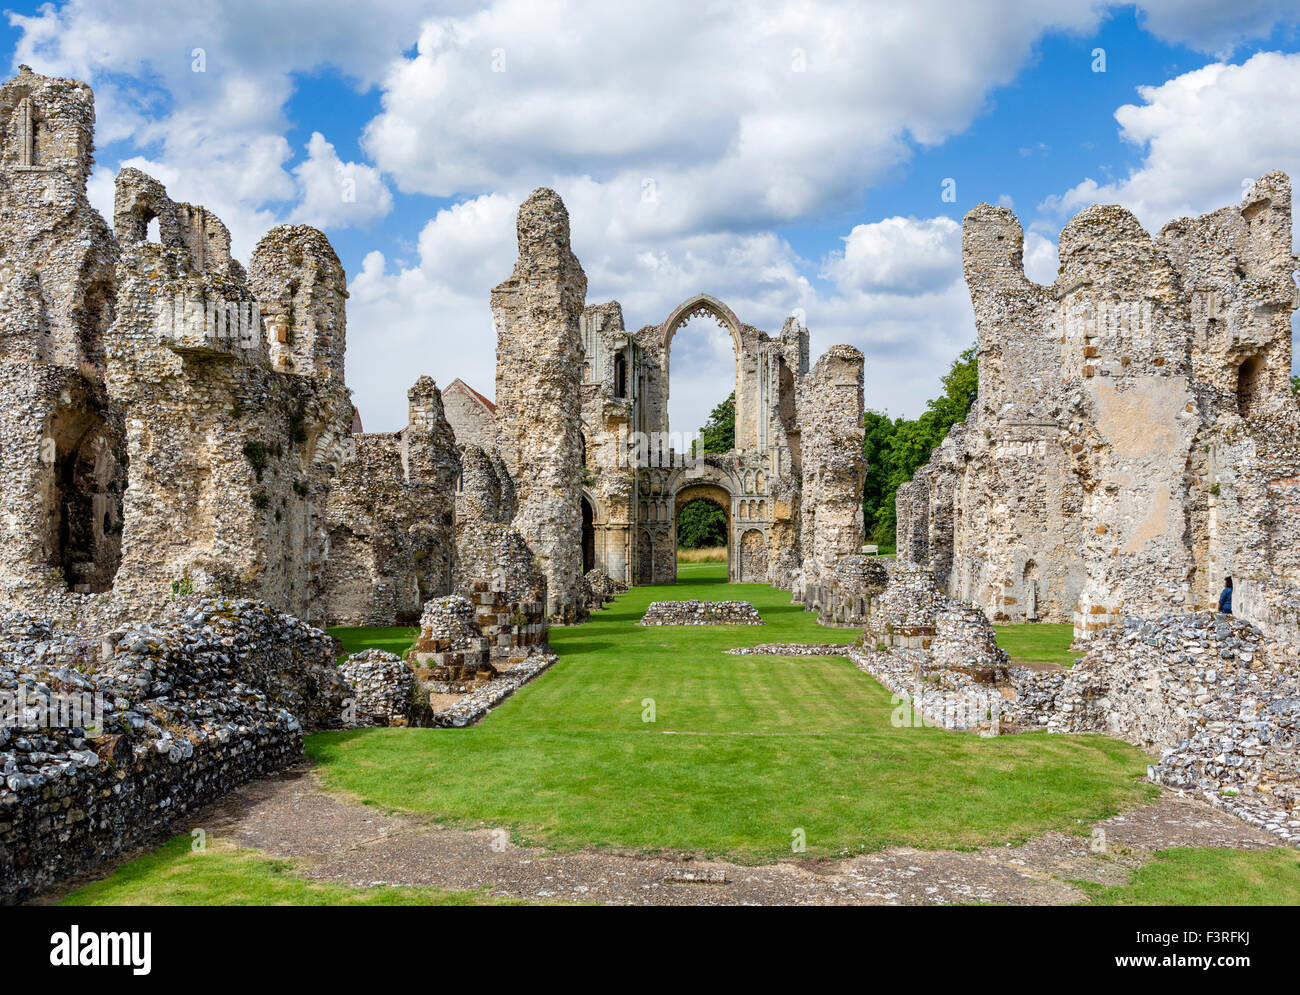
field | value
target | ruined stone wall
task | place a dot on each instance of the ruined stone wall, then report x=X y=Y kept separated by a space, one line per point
x=538 y=395
x=701 y=613
x=120 y=737
x=1134 y=439
x=150 y=447
x=229 y=474
x=596 y=482
x=392 y=518
x=637 y=472
x=62 y=448
x=611 y=401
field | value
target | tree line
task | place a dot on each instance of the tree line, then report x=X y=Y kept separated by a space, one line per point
x=896 y=448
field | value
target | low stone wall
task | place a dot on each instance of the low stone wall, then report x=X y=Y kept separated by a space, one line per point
x=475 y=705
x=701 y=613
x=1207 y=692
x=104 y=745
x=791 y=649
x=954 y=698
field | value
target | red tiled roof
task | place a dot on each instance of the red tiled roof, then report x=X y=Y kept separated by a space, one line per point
x=486 y=403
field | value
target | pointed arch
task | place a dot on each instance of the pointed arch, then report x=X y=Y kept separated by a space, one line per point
x=700 y=305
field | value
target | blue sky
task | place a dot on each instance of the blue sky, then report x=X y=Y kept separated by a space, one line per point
x=790 y=160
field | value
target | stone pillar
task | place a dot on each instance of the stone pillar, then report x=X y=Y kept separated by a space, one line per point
x=538 y=395
x=834 y=465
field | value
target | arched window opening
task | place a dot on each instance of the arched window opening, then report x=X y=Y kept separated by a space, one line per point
x=620 y=375
x=84 y=505
x=588 y=536
x=1250 y=377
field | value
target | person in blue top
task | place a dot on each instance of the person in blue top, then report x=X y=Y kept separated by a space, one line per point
x=1225 y=599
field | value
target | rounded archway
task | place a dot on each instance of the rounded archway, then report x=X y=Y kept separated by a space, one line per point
x=711 y=494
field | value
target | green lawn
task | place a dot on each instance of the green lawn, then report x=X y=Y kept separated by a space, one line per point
x=1038 y=642
x=395 y=639
x=226 y=875
x=1208 y=876
x=742 y=752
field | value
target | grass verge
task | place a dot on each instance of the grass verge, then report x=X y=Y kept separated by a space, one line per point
x=1207 y=876
x=227 y=875
x=1038 y=642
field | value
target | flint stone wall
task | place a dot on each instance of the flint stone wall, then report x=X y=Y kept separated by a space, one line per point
x=216 y=693
x=701 y=613
x=1206 y=692
x=539 y=395
x=1134 y=438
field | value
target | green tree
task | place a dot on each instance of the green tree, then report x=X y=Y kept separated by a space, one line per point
x=718 y=435
x=1295 y=385
x=701 y=524
x=896 y=450
x=877 y=492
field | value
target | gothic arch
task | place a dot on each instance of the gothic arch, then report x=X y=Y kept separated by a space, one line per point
x=700 y=305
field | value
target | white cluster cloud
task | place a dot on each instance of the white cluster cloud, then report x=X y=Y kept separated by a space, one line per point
x=200 y=93
x=337 y=193
x=1205 y=136
x=745 y=117
x=900 y=254
x=682 y=139
x=1215 y=26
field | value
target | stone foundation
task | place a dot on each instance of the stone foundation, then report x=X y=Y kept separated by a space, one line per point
x=384 y=690
x=701 y=613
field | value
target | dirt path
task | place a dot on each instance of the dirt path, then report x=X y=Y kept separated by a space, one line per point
x=338 y=840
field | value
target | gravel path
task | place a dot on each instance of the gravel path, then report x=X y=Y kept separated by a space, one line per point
x=339 y=840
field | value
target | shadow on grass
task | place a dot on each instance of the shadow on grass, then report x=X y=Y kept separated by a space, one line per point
x=581 y=645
